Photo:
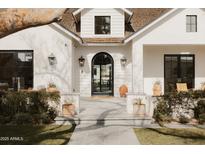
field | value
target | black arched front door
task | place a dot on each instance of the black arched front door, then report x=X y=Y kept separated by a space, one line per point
x=102 y=74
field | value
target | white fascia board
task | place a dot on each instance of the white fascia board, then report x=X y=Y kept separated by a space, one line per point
x=125 y=10
x=69 y=33
x=77 y=11
x=103 y=44
x=149 y=26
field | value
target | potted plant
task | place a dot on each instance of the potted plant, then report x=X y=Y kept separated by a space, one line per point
x=68 y=109
x=157 y=89
x=139 y=107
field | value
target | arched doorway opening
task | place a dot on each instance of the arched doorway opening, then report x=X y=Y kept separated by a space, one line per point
x=102 y=74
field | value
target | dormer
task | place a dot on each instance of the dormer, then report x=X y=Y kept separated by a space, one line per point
x=102 y=22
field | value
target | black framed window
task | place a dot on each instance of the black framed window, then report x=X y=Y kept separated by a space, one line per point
x=16 y=69
x=102 y=24
x=178 y=69
x=191 y=23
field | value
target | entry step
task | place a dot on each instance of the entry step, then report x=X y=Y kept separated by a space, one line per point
x=131 y=121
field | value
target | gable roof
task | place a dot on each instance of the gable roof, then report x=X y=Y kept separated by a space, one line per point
x=143 y=16
x=150 y=24
x=140 y=18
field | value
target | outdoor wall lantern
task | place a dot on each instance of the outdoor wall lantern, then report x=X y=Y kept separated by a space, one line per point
x=123 y=60
x=52 y=59
x=81 y=61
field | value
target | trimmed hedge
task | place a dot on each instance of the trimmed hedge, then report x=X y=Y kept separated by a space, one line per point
x=200 y=111
x=28 y=106
x=169 y=103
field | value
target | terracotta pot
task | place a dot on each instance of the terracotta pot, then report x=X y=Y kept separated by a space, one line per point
x=123 y=90
x=157 y=90
x=68 y=110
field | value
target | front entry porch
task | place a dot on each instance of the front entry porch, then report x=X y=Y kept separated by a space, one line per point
x=104 y=120
x=100 y=107
x=105 y=111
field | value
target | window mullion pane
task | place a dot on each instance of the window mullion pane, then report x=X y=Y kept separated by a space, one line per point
x=102 y=25
x=191 y=23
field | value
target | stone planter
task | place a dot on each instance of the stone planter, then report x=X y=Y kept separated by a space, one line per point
x=139 y=109
x=140 y=104
x=68 y=110
x=71 y=98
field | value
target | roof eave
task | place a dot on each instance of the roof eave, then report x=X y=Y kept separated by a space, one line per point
x=68 y=32
x=102 y=44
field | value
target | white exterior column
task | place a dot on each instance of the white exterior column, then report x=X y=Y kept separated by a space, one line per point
x=70 y=68
x=137 y=68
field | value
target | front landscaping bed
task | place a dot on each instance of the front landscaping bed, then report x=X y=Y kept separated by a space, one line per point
x=182 y=107
x=170 y=136
x=32 y=135
x=28 y=107
x=26 y=117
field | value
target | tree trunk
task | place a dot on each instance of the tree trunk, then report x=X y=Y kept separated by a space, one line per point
x=13 y=20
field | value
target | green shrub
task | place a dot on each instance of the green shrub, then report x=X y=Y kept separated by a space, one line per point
x=16 y=102
x=2 y=121
x=52 y=113
x=45 y=118
x=199 y=109
x=12 y=103
x=196 y=94
x=22 y=118
x=17 y=105
x=168 y=104
x=202 y=118
x=5 y=119
x=163 y=118
x=162 y=112
x=54 y=96
x=36 y=119
x=183 y=120
x=38 y=101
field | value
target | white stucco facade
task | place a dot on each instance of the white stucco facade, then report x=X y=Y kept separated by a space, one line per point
x=122 y=74
x=167 y=36
x=45 y=40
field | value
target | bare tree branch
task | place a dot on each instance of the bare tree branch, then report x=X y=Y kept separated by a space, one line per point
x=12 y=20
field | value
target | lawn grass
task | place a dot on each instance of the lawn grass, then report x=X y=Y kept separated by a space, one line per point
x=171 y=136
x=32 y=135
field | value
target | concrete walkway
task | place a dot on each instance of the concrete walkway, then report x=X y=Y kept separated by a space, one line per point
x=103 y=135
x=96 y=127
